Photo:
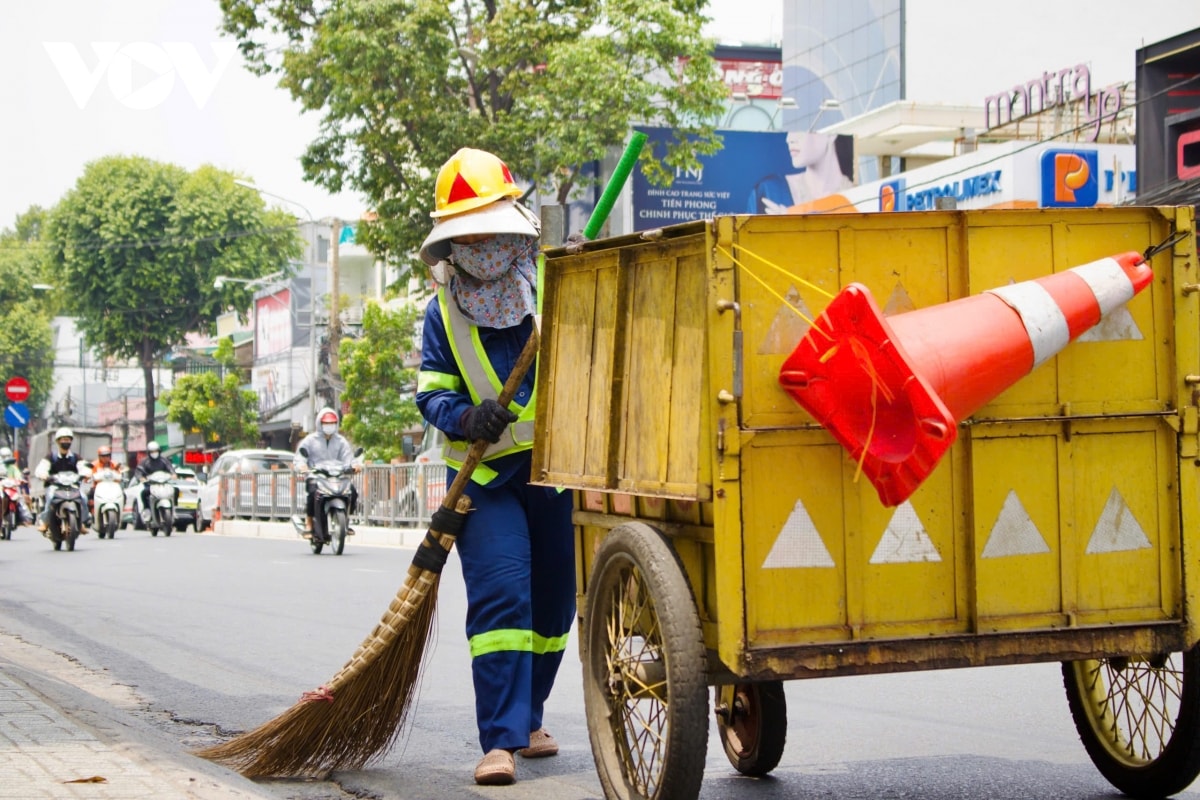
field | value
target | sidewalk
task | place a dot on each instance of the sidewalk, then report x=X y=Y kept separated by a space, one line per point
x=65 y=733
x=89 y=748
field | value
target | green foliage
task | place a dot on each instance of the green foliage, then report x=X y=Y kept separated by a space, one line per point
x=26 y=338
x=224 y=354
x=137 y=244
x=548 y=86
x=219 y=408
x=379 y=389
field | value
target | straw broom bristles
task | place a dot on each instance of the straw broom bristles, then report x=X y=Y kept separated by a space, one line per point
x=359 y=713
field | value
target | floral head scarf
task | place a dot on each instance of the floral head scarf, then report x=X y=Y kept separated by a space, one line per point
x=494 y=280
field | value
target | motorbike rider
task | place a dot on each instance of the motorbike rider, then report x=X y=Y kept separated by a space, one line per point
x=54 y=462
x=154 y=461
x=324 y=444
x=11 y=470
x=104 y=460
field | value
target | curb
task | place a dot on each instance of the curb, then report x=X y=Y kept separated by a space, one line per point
x=368 y=536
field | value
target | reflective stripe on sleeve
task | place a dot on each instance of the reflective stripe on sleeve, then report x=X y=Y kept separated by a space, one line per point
x=429 y=381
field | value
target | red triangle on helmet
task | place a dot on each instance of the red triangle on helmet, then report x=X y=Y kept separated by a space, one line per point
x=508 y=178
x=460 y=190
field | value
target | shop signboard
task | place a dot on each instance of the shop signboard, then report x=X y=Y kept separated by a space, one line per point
x=1011 y=175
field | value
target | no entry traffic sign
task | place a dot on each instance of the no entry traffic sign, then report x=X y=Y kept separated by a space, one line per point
x=17 y=389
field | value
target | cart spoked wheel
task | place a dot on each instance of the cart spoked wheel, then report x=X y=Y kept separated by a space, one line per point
x=645 y=686
x=1139 y=719
x=752 y=721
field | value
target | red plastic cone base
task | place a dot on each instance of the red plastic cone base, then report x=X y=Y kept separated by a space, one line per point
x=852 y=375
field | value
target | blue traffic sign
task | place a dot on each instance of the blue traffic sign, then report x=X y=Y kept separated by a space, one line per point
x=16 y=415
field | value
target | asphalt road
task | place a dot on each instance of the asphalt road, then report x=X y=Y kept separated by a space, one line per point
x=217 y=633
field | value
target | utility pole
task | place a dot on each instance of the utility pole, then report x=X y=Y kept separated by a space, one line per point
x=335 y=299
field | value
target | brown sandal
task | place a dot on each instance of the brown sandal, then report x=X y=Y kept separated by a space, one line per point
x=497 y=768
x=541 y=744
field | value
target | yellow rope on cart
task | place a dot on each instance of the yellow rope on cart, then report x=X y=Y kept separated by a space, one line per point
x=863 y=361
x=746 y=269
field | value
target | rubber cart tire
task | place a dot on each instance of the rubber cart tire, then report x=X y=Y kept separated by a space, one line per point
x=645 y=672
x=752 y=722
x=1139 y=719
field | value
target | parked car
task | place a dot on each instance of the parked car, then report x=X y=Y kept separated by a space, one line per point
x=234 y=463
x=185 y=507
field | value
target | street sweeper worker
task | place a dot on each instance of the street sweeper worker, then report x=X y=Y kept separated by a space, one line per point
x=324 y=444
x=517 y=545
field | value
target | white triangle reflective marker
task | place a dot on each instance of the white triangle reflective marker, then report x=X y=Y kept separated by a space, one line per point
x=788 y=327
x=905 y=540
x=1117 y=530
x=798 y=544
x=1116 y=326
x=1014 y=533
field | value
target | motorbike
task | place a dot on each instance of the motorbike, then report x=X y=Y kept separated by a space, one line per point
x=66 y=509
x=10 y=507
x=108 y=500
x=160 y=516
x=331 y=507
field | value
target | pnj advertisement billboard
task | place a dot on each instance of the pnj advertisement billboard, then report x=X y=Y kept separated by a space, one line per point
x=756 y=172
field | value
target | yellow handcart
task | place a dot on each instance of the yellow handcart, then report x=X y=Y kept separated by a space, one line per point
x=726 y=539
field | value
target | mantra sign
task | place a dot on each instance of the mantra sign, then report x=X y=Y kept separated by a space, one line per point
x=1066 y=87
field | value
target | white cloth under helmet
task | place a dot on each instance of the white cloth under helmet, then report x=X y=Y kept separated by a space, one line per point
x=503 y=216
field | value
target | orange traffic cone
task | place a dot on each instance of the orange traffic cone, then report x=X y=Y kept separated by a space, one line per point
x=893 y=391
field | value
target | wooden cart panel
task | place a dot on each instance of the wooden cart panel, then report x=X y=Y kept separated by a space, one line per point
x=1061 y=509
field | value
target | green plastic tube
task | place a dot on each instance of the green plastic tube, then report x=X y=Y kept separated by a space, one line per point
x=615 y=184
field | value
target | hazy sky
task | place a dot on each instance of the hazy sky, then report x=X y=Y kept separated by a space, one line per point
x=89 y=78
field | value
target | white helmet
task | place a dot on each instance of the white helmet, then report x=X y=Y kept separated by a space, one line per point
x=64 y=433
x=153 y=448
x=5 y=452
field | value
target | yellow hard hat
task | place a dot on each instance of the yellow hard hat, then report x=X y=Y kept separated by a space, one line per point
x=471 y=179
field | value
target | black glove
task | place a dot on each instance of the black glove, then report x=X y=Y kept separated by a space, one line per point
x=487 y=421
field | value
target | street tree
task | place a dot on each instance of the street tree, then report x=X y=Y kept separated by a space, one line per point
x=216 y=407
x=379 y=387
x=137 y=244
x=549 y=87
x=26 y=336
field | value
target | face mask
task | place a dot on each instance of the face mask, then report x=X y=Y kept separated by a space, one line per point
x=491 y=258
x=329 y=429
x=64 y=446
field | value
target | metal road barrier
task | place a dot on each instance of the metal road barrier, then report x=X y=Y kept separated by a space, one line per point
x=389 y=495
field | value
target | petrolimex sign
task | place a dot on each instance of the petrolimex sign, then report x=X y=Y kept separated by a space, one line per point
x=1075 y=179
x=895 y=196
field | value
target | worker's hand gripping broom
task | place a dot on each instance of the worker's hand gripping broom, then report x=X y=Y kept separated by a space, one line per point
x=358 y=714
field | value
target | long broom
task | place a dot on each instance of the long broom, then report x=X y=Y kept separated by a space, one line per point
x=358 y=714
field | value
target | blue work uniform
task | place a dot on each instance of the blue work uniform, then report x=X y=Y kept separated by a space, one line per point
x=517 y=546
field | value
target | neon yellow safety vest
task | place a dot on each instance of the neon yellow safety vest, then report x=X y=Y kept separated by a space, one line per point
x=483 y=383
